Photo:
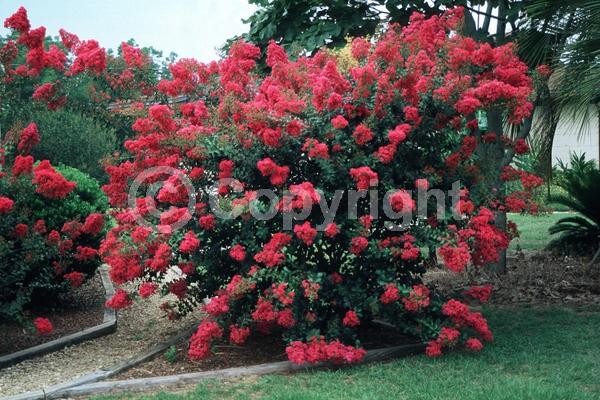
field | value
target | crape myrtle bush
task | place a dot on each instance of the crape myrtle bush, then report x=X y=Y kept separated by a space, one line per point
x=50 y=228
x=402 y=119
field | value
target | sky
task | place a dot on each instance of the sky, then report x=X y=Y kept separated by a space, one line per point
x=190 y=28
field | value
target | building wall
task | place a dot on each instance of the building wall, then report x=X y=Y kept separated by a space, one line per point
x=572 y=137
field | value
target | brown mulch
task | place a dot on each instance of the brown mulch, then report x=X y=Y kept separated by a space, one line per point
x=532 y=278
x=258 y=349
x=83 y=308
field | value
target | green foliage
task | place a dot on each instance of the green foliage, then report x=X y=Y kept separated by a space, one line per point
x=582 y=183
x=26 y=272
x=74 y=139
x=171 y=355
x=569 y=30
x=308 y=25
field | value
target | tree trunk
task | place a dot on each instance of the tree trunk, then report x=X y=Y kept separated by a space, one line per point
x=500 y=267
x=496 y=159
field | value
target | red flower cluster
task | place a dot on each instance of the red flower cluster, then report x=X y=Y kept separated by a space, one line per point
x=43 y=326
x=50 y=183
x=6 y=205
x=391 y=294
x=481 y=293
x=119 y=300
x=351 y=319
x=238 y=335
x=200 y=342
x=318 y=350
x=417 y=299
x=18 y=21
x=277 y=175
x=29 y=138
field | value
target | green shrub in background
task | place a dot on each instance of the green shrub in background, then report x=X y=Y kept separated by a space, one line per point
x=75 y=140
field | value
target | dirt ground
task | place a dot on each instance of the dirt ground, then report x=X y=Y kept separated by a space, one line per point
x=532 y=278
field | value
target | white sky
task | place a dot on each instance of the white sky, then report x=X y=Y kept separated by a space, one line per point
x=190 y=28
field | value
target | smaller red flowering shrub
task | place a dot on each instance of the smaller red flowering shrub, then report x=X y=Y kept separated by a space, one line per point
x=49 y=234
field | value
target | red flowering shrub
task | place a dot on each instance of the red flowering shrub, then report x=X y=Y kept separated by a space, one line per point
x=402 y=119
x=41 y=258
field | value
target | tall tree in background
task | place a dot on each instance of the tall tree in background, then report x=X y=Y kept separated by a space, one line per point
x=566 y=35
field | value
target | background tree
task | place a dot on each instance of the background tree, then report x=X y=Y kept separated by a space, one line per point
x=566 y=35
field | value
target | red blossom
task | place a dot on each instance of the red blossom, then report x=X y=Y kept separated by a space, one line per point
x=358 y=245
x=6 y=205
x=317 y=350
x=390 y=295
x=238 y=253
x=75 y=278
x=474 y=344
x=455 y=258
x=200 y=342
x=401 y=201
x=29 y=138
x=521 y=146
x=147 y=289
x=18 y=21
x=339 y=122
x=178 y=288
x=190 y=243
x=433 y=349
x=93 y=224
x=362 y=135
x=119 y=300
x=364 y=177
x=23 y=165
x=481 y=293
x=351 y=319
x=43 y=326
x=305 y=232
x=50 y=183
x=238 y=335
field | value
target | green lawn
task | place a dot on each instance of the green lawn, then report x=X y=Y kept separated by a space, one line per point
x=534 y=230
x=538 y=354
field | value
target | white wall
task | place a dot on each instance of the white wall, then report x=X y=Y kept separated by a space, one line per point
x=572 y=137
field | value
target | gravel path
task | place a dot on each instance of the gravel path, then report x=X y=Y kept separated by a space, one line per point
x=139 y=327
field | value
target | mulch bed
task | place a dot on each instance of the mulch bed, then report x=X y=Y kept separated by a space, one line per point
x=83 y=308
x=536 y=278
x=258 y=349
x=533 y=278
